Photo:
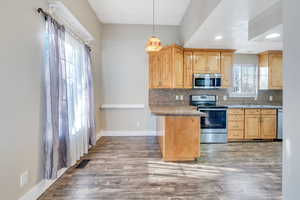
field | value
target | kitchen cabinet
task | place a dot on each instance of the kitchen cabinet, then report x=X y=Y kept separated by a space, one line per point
x=166 y=68
x=214 y=62
x=179 y=137
x=268 y=126
x=226 y=69
x=188 y=69
x=249 y=124
x=206 y=62
x=252 y=126
x=270 y=70
x=200 y=62
x=174 y=66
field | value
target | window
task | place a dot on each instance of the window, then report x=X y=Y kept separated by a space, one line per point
x=245 y=80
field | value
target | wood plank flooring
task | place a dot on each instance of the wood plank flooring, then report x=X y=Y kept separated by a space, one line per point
x=131 y=168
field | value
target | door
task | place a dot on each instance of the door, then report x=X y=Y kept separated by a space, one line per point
x=268 y=127
x=275 y=64
x=213 y=62
x=165 y=68
x=154 y=79
x=200 y=62
x=188 y=69
x=252 y=126
x=214 y=119
x=226 y=69
x=178 y=64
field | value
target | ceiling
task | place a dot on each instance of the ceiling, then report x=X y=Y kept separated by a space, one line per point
x=169 y=12
x=230 y=19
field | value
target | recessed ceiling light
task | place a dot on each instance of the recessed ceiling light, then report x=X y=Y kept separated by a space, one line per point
x=219 y=37
x=273 y=35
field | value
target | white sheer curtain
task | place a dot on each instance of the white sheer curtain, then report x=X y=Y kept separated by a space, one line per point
x=78 y=104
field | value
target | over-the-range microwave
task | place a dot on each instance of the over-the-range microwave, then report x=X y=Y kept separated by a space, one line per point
x=207 y=81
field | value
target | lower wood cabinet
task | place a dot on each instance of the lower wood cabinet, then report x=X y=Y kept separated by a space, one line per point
x=179 y=137
x=248 y=124
x=268 y=126
x=252 y=126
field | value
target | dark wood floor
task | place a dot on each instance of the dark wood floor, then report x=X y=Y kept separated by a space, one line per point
x=131 y=168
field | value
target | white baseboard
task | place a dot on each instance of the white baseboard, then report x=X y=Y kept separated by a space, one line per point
x=127 y=133
x=42 y=186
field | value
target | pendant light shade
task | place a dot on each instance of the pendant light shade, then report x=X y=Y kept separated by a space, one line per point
x=153 y=43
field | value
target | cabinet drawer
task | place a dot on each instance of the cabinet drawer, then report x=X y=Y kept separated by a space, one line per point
x=235 y=134
x=252 y=111
x=268 y=111
x=236 y=125
x=236 y=111
x=236 y=117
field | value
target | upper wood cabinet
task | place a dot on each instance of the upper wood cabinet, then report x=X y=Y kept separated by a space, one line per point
x=173 y=66
x=166 y=68
x=188 y=69
x=214 y=62
x=200 y=62
x=271 y=68
x=226 y=69
x=206 y=62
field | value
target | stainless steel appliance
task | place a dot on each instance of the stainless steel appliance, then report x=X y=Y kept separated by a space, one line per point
x=207 y=81
x=280 y=124
x=214 y=124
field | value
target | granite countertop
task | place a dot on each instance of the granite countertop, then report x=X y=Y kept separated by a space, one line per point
x=255 y=106
x=175 y=110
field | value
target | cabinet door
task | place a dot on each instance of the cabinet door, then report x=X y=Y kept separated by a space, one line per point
x=178 y=66
x=188 y=69
x=235 y=134
x=165 y=68
x=154 y=79
x=252 y=126
x=268 y=126
x=275 y=64
x=200 y=62
x=226 y=69
x=213 y=62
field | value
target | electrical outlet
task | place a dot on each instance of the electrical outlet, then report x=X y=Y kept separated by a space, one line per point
x=181 y=97
x=24 y=179
x=225 y=98
x=255 y=98
x=270 y=98
x=177 y=97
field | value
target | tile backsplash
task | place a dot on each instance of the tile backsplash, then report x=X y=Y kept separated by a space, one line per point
x=168 y=97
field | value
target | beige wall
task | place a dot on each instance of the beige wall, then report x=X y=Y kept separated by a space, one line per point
x=21 y=55
x=125 y=72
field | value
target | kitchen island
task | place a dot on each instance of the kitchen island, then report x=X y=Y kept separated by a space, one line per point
x=178 y=132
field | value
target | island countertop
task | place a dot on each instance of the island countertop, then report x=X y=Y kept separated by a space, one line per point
x=175 y=110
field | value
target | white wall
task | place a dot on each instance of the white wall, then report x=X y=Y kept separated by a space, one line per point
x=21 y=61
x=197 y=12
x=291 y=100
x=125 y=73
x=245 y=59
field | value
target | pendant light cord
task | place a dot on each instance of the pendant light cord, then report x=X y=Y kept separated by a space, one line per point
x=153 y=28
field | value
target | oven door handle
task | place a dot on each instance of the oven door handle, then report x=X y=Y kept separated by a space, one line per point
x=209 y=109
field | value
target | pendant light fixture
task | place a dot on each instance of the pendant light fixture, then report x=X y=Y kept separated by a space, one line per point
x=153 y=43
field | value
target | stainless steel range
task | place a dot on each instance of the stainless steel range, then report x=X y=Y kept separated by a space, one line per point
x=214 y=124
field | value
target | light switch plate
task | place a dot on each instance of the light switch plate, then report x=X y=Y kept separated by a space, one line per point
x=181 y=97
x=225 y=98
x=177 y=98
x=270 y=98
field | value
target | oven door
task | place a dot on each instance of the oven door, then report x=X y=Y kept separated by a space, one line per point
x=214 y=119
x=204 y=82
x=214 y=126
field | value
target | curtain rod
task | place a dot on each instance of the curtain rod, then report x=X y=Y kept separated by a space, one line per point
x=46 y=14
